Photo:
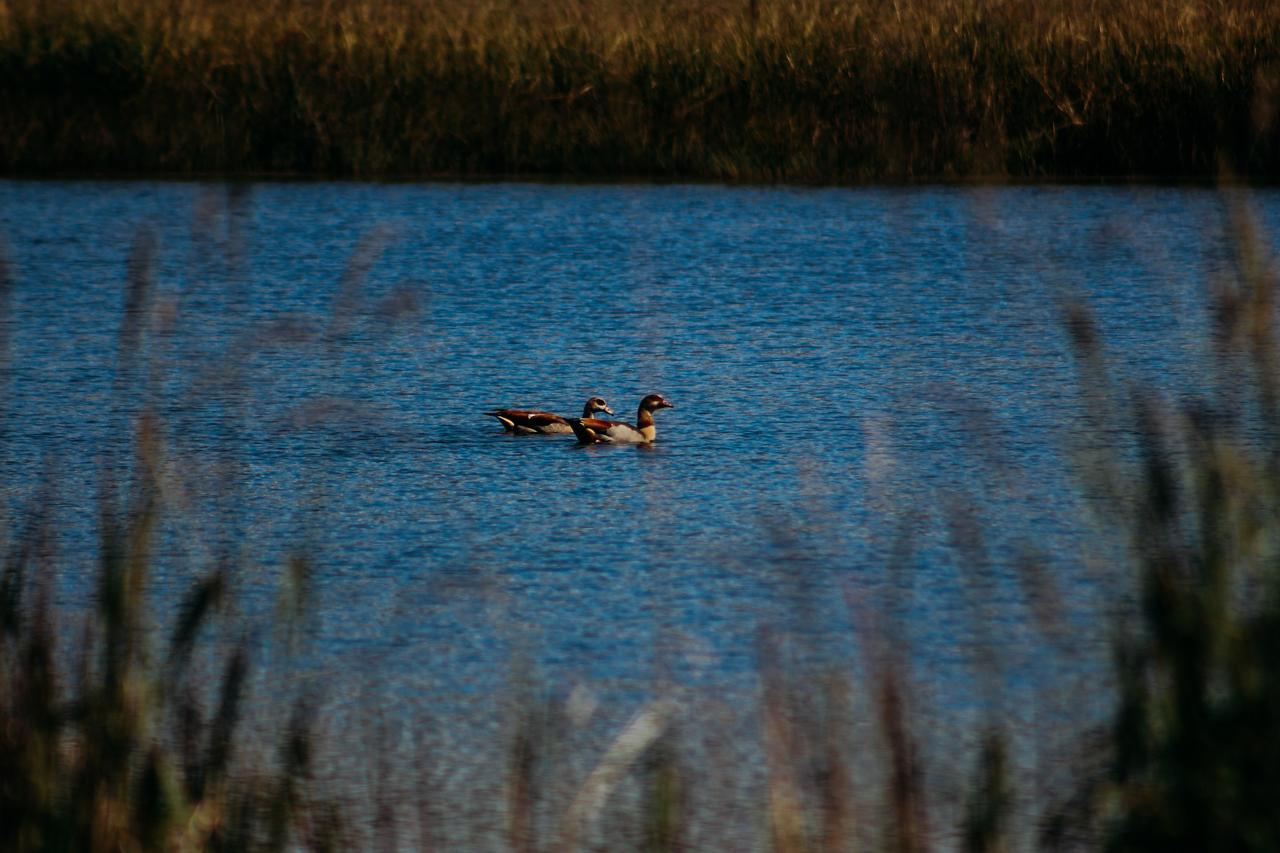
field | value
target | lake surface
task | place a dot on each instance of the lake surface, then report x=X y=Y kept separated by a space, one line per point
x=845 y=365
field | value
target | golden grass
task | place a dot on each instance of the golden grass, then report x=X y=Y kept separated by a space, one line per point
x=812 y=90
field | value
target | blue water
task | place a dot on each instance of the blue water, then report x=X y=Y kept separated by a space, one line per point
x=845 y=365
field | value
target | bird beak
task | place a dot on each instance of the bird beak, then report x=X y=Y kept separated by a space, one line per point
x=667 y=405
x=606 y=410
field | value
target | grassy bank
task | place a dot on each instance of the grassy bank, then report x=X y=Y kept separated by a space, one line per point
x=812 y=90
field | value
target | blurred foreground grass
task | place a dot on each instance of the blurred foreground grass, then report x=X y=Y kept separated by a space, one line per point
x=796 y=90
x=109 y=742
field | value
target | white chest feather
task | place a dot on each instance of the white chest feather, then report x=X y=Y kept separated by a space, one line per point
x=625 y=434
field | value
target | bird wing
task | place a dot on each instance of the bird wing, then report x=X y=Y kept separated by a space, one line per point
x=590 y=430
x=526 y=417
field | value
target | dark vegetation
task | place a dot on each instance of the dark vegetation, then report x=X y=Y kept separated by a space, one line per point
x=1196 y=736
x=808 y=90
x=108 y=742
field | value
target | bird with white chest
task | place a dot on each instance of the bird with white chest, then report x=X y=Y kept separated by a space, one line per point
x=596 y=431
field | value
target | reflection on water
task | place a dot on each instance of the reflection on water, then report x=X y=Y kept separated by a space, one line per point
x=843 y=363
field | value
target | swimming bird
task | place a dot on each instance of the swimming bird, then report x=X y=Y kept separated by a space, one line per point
x=595 y=431
x=527 y=422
